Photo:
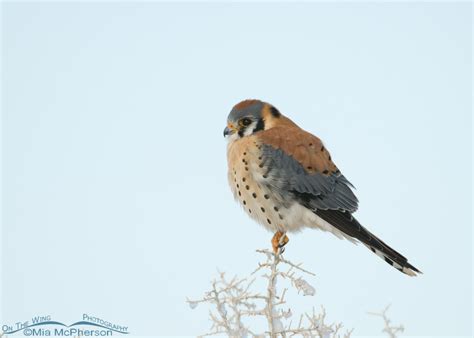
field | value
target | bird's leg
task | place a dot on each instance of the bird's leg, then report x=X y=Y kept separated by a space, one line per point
x=279 y=240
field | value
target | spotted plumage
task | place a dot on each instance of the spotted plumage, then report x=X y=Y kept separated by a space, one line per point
x=285 y=179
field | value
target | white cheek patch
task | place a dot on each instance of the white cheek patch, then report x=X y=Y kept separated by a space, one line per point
x=249 y=129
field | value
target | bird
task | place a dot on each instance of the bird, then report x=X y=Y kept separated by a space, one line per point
x=285 y=179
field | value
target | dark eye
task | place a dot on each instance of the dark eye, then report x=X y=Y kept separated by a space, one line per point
x=245 y=121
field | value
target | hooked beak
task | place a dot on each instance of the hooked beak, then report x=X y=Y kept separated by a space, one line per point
x=229 y=130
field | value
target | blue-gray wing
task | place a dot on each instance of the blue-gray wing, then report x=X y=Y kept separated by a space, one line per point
x=316 y=190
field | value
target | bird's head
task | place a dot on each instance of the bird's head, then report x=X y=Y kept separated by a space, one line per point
x=249 y=117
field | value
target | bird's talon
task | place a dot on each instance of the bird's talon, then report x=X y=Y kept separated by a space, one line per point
x=279 y=240
x=283 y=241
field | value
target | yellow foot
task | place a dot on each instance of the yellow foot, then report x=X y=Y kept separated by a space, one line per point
x=279 y=240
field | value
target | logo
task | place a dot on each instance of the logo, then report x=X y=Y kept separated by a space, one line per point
x=45 y=326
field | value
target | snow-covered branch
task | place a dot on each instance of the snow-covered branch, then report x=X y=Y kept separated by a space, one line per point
x=235 y=302
x=389 y=329
x=239 y=302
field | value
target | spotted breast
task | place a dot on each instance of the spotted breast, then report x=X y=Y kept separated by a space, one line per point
x=248 y=176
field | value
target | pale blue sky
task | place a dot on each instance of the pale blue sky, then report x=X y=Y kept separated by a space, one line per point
x=114 y=196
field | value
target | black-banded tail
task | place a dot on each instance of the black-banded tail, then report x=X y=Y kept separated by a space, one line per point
x=345 y=222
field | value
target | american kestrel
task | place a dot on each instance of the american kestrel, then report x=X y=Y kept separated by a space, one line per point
x=284 y=179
